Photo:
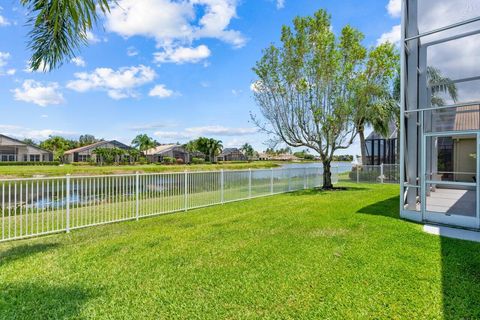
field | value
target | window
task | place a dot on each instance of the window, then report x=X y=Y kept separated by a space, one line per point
x=34 y=157
x=83 y=157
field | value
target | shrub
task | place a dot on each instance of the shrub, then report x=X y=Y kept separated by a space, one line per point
x=197 y=161
x=29 y=163
x=168 y=160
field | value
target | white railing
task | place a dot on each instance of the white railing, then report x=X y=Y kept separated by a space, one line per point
x=384 y=173
x=37 y=206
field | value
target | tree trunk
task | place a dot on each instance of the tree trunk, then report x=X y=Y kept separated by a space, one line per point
x=363 y=146
x=327 y=175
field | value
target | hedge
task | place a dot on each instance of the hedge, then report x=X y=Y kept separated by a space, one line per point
x=29 y=163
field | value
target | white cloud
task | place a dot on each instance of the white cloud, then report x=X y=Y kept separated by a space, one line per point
x=393 y=36
x=182 y=55
x=195 y=132
x=42 y=94
x=160 y=91
x=4 y=56
x=37 y=134
x=92 y=38
x=173 y=135
x=118 y=84
x=236 y=92
x=79 y=62
x=394 y=8
x=280 y=4
x=11 y=72
x=219 y=131
x=132 y=51
x=175 y=25
x=4 y=21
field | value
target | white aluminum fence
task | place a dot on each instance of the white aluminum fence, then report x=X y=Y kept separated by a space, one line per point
x=38 y=206
x=384 y=173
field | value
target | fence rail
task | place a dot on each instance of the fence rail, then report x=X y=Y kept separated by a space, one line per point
x=384 y=173
x=37 y=206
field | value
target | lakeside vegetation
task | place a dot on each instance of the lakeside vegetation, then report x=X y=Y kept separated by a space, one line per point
x=357 y=260
x=30 y=171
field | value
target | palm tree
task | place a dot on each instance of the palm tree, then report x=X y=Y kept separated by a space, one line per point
x=59 y=28
x=214 y=148
x=248 y=150
x=379 y=116
x=440 y=84
x=143 y=142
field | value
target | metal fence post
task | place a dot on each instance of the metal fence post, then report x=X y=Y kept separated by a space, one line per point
x=358 y=173
x=67 y=220
x=186 y=190
x=271 y=180
x=222 y=187
x=249 y=183
x=304 y=178
x=381 y=173
x=137 y=195
x=288 y=179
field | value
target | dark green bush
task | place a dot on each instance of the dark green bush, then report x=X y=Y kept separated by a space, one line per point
x=29 y=163
x=197 y=161
x=169 y=160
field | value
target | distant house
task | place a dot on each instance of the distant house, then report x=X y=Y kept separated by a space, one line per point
x=382 y=149
x=264 y=156
x=86 y=153
x=159 y=153
x=15 y=150
x=197 y=154
x=285 y=157
x=232 y=154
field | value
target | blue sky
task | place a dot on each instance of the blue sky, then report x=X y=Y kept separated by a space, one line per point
x=174 y=70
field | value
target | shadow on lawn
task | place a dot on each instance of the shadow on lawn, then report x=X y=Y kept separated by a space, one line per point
x=41 y=301
x=315 y=191
x=387 y=208
x=460 y=268
x=23 y=251
x=460 y=279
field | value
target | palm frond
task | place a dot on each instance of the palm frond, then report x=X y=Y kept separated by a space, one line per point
x=59 y=29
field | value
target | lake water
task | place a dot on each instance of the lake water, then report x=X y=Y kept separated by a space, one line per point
x=342 y=166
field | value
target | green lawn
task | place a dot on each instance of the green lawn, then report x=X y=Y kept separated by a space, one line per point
x=29 y=171
x=304 y=255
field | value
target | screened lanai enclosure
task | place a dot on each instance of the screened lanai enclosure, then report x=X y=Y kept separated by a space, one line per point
x=440 y=121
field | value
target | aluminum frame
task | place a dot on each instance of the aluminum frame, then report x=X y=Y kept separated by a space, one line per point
x=415 y=92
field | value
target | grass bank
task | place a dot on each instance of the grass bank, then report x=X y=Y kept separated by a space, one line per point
x=305 y=255
x=29 y=171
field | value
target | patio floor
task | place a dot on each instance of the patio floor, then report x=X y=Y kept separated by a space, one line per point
x=452 y=201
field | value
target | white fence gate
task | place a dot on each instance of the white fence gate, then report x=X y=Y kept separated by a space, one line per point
x=39 y=206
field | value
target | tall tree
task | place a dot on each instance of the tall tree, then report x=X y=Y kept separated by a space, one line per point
x=373 y=97
x=87 y=139
x=59 y=28
x=143 y=142
x=441 y=86
x=208 y=146
x=248 y=150
x=58 y=145
x=306 y=87
x=214 y=148
x=29 y=142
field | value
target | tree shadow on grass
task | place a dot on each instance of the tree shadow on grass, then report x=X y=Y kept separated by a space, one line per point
x=387 y=208
x=23 y=251
x=316 y=191
x=460 y=279
x=41 y=301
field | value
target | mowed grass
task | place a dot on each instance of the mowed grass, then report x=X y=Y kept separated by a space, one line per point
x=60 y=170
x=303 y=255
